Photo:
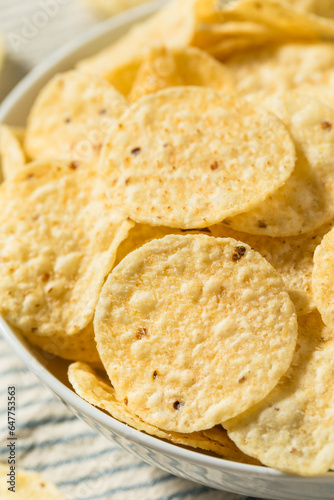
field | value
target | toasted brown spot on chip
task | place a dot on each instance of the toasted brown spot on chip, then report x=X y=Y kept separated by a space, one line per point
x=261 y=224
x=242 y=380
x=74 y=165
x=214 y=165
x=136 y=151
x=293 y=450
x=155 y=374
x=227 y=222
x=239 y=253
x=67 y=120
x=45 y=277
x=177 y=405
x=142 y=332
x=126 y=401
x=325 y=125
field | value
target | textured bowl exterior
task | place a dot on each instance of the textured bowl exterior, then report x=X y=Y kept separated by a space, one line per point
x=214 y=472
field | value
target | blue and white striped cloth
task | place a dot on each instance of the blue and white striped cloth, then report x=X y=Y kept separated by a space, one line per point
x=51 y=441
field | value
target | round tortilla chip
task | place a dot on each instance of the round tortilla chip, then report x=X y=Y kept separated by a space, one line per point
x=97 y=391
x=163 y=68
x=58 y=241
x=292 y=429
x=291 y=257
x=29 y=486
x=12 y=156
x=71 y=117
x=192 y=329
x=323 y=278
x=306 y=201
x=188 y=157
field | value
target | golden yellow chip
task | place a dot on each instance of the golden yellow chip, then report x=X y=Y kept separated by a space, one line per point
x=139 y=235
x=124 y=75
x=12 y=157
x=71 y=117
x=210 y=34
x=179 y=306
x=276 y=14
x=232 y=46
x=188 y=157
x=97 y=391
x=323 y=8
x=163 y=68
x=282 y=67
x=58 y=241
x=323 y=278
x=292 y=429
x=306 y=201
x=26 y=485
x=291 y=257
x=172 y=26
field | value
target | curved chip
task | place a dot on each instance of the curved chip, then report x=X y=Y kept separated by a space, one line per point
x=188 y=157
x=192 y=329
x=27 y=485
x=97 y=391
x=12 y=156
x=163 y=68
x=282 y=67
x=323 y=278
x=58 y=241
x=71 y=117
x=292 y=429
x=171 y=26
x=306 y=201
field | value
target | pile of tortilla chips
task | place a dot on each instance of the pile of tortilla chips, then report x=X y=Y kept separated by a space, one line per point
x=166 y=225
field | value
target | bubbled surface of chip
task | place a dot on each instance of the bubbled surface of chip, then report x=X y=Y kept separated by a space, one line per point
x=72 y=116
x=292 y=429
x=58 y=241
x=192 y=329
x=189 y=157
x=97 y=391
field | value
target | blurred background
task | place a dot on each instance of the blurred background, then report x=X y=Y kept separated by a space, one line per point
x=32 y=29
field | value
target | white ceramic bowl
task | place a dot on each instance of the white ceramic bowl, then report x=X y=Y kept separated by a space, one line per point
x=210 y=471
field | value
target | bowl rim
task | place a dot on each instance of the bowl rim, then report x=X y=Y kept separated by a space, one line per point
x=43 y=374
